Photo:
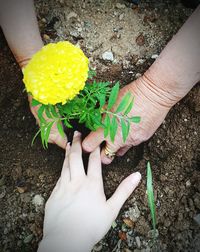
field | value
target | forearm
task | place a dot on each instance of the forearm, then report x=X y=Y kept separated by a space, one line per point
x=19 y=24
x=177 y=69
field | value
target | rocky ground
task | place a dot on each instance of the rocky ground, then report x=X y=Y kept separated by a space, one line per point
x=122 y=40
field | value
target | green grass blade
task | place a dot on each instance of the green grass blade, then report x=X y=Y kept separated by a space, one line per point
x=150 y=196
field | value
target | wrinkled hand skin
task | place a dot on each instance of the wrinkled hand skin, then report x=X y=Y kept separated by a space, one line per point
x=152 y=111
x=54 y=137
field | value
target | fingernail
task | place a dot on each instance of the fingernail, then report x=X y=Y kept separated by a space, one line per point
x=137 y=177
x=76 y=133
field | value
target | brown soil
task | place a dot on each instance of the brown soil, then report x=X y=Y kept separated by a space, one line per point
x=174 y=150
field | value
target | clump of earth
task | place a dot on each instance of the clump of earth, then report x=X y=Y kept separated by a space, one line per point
x=121 y=40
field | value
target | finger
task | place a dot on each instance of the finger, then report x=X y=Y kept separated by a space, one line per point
x=75 y=157
x=94 y=165
x=93 y=140
x=65 y=173
x=56 y=138
x=122 y=193
x=123 y=150
x=113 y=148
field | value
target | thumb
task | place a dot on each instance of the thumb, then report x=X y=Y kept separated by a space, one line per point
x=123 y=191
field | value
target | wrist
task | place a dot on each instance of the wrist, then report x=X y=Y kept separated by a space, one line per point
x=23 y=60
x=156 y=91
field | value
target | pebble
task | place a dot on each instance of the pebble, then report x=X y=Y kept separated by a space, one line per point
x=138 y=242
x=188 y=183
x=154 y=56
x=38 y=201
x=121 y=16
x=22 y=189
x=75 y=34
x=140 y=62
x=72 y=14
x=133 y=213
x=46 y=37
x=108 y=55
x=130 y=240
x=197 y=219
x=140 y=40
x=28 y=238
x=138 y=75
x=120 y=6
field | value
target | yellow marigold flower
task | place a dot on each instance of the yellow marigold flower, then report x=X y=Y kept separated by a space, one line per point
x=56 y=73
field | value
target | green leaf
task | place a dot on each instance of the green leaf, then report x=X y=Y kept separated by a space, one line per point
x=45 y=132
x=102 y=100
x=35 y=136
x=113 y=96
x=125 y=129
x=40 y=114
x=82 y=118
x=113 y=128
x=124 y=103
x=130 y=106
x=47 y=112
x=35 y=103
x=53 y=110
x=135 y=119
x=106 y=125
x=60 y=129
x=67 y=124
x=150 y=196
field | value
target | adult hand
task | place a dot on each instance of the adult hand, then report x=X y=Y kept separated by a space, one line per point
x=77 y=214
x=167 y=81
x=151 y=106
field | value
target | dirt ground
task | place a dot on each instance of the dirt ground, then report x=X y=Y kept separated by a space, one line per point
x=134 y=36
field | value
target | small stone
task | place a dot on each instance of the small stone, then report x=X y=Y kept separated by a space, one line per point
x=185 y=119
x=72 y=14
x=108 y=55
x=46 y=37
x=44 y=20
x=140 y=62
x=138 y=242
x=129 y=222
x=28 y=238
x=140 y=40
x=138 y=75
x=120 y=6
x=133 y=213
x=21 y=189
x=122 y=236
x=197 y=219
x=121 y=16
x=38 y=202
x=154 y=56
x=188 y=183
x=130 y=240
